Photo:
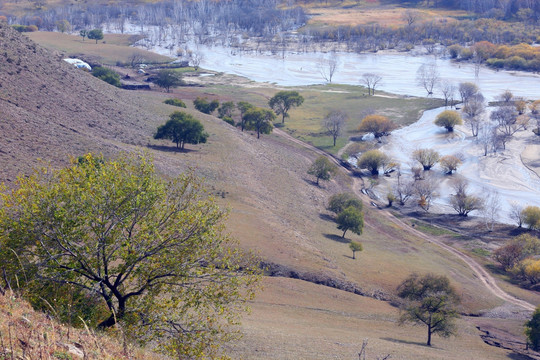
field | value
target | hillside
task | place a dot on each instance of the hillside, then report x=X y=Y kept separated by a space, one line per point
x=52 y=110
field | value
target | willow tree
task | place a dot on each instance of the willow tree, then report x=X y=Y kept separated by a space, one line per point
x=152 y=250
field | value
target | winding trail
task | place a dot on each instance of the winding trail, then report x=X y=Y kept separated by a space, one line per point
x=487 y=280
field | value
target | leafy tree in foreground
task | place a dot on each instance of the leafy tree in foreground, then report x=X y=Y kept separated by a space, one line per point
x=426 y=157
x=259 y=119
x=532 y=330
x=153 y=250
x=350 y=219
x=355 y=246
x=322 y=169
x=167 y=79
x=430 y=301
x=448 y=119
x=96 y=34
x=182 y=129
x=283 y=101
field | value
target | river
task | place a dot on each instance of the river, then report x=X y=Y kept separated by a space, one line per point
x=500 y=173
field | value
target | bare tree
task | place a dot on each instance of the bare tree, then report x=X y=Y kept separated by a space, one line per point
x=334 y=123
x=371 y=81
x=461 y=201
x=427 y=76
x=491 y=208
x=506 y=118
x=426 y=191
x=487 y=136
x=327 y=67
x=411 y=16
x=516 y=213
x=474 y=110
x=466 y=90
x=403 y=189
x=448 y=90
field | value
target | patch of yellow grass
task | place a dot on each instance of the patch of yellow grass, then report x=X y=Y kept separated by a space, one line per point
x=110 y=50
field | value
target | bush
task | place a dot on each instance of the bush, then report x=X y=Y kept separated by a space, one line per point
x=426 y=157
x=107 y=75
x=531 y=217
x=496 y=63
x=517 y=249
x=373 y=160
x=454 y=51
x=516 y=63
x=378 y=125
x=448 y=119
x=229 y=120
x=204 y=106
x=449 y=163
x=175 y=102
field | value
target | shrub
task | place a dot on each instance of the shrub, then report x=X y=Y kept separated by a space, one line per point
x=531 y=217
x=454 y=51
x=516 y=250
x=175 y=102
x=204 y=106
x=378 y=125
x=426 y=157
x=496 y=63
x=449 y=163
x=229 y=120
x=372 y=160
x=448 y=119
x=516 y=63
x=107 y=75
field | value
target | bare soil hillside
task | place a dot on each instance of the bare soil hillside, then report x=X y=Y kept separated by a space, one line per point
x=51 y=109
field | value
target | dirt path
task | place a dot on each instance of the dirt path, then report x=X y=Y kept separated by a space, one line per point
x=481 y=273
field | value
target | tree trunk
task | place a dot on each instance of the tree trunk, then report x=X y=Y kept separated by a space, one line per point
x=354 y=255
x=334 y=141
x=343 y=236
x=114 y=317
x=283 y=117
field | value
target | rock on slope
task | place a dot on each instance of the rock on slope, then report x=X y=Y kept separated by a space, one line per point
x=50 y=110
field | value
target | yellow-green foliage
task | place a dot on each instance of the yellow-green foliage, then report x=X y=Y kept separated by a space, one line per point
x=531 y=216
x=448 y=119
x=140 y=244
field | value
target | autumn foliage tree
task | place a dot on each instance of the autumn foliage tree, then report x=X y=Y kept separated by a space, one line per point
x=448 y=119
x=426 y=157
x=377 y=125
x=152 y=250
x=450 y=163
x=373 y=160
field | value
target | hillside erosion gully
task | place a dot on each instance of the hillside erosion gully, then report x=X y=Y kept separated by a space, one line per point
x=358 y=184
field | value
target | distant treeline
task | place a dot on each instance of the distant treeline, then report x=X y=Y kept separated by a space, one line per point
x=499 y=9
x=375 y=37
x=253 y=17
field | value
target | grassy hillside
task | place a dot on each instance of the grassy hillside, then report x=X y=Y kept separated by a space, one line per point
x=51 y=110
